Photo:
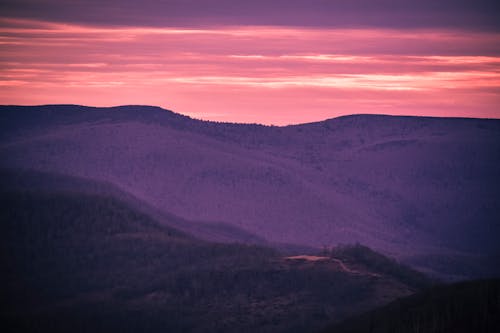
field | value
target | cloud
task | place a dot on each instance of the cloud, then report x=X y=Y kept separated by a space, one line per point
x=396 y=14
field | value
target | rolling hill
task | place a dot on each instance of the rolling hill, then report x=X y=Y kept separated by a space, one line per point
x=87 y=262
x=471 y=306
x=423 y=190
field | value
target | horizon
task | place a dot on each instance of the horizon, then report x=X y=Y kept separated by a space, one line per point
x=275 y=64
x=245 y=123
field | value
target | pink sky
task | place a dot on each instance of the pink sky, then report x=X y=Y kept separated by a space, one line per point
x=265 y=74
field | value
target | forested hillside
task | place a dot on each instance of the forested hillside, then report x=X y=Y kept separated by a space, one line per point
x=472 y=306
x=89 y=263
x=423 y=190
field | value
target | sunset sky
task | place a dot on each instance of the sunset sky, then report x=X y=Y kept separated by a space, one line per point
x=272 y=62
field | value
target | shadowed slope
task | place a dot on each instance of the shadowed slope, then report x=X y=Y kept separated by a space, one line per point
x=83 y=262
x=472 y=306
x=29 y=180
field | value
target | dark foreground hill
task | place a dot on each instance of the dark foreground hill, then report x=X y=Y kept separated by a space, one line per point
x=29 y=180
x=472 y=306
x=86 y=262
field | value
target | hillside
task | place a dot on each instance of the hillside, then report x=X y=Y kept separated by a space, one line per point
x=29 y=180
x=423 y=190
x=84 y=262
x=472 y=306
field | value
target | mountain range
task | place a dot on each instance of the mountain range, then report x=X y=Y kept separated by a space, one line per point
x=77 y=257
x=419 y=189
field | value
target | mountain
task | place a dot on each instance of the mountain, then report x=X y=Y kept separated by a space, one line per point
x=472 y=306
x=85 y=262
x=422 y=190
x=29 y=180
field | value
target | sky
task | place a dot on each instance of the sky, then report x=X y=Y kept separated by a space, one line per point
x=271 y=62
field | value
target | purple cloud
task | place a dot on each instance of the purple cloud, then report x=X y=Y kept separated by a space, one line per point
x=400 y=14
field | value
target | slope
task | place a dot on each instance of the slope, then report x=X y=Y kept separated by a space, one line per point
x=421 y=189
x=89 y=263
x=472 y=306
x=30 y=180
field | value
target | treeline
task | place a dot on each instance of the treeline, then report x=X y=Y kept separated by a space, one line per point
x=376 y=262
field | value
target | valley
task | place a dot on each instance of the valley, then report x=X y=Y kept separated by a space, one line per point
x=135 y=218
x=84 y=262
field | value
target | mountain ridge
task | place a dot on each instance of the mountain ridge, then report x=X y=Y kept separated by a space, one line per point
x=162 y=109
x=409 y=187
